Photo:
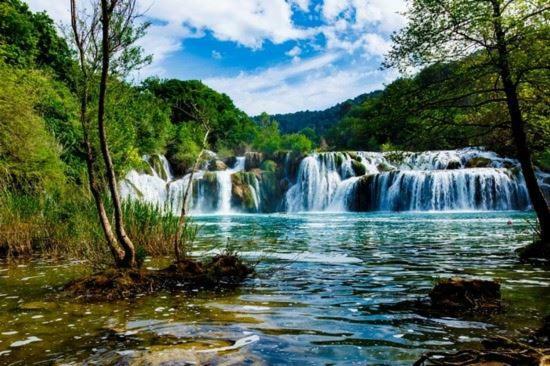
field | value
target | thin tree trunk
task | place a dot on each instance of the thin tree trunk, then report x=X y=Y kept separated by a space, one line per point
x=183 y=215
x=92 y=180
x=129 y=259
x=518 y=128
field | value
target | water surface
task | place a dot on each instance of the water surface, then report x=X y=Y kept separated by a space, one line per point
x=327 y=291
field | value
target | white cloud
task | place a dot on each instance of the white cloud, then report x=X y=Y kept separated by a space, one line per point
x=357 y=30
x=311 y=84
x=294 y=51
x=216 y=55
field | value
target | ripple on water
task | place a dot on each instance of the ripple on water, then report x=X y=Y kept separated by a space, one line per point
x=329 y=289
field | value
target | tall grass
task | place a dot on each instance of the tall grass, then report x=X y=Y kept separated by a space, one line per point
x=66 y=225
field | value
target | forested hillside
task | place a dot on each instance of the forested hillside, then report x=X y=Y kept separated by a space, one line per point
x=319 y=121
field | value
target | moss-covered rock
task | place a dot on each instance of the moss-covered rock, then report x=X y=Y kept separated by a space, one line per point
x=358 y=168
x=156 y=164
x=269 y=166
x=385 y=167
x=253 y=160
x=216 y=165
x=454 y=164
x=242 y=194
x=478 y=162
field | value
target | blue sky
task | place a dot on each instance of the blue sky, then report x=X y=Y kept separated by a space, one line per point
x=276 y=56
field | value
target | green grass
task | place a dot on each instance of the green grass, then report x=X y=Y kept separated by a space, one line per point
x=66 y=225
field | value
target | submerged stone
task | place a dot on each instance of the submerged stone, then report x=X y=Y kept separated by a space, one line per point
x=458 y=294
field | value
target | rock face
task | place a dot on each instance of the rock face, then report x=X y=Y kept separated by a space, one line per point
x=253 y=160
x=243 y=195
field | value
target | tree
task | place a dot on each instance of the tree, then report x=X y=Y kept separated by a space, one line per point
x=85 y=33
x=105 y=41
x=509 y=39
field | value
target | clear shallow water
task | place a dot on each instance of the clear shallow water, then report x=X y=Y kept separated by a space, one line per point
x=327 y=292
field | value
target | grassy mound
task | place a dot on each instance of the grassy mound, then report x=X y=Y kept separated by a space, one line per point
x=220 y=272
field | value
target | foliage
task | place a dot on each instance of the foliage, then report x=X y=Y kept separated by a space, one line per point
x=319 y=121
x=29 y=155
x=31 y=40
x=227 y=123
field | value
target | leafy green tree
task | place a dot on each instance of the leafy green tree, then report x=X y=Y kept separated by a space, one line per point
x=511 y=41
x=31 y=40
x=297 y=142
x=29 y=155
x=229 y=125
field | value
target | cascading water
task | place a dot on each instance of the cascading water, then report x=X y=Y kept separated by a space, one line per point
x=404 y=181
x=466 y=179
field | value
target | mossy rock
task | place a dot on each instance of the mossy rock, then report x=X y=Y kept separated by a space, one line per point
x=241 y=193
x=385 y=167
x=352 y=154
x=210 y=177
x=269 y=166
x=216 y=165
x=458 y=294
x=478 y=162
x=358 y=168
x=454 y=164
x=157 y=165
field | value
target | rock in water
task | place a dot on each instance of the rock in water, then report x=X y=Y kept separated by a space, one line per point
x=458 y=294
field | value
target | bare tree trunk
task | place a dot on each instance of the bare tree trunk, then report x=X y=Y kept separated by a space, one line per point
x=183 y=215
x=129 y=259
x=518 y=128
x=92 y=180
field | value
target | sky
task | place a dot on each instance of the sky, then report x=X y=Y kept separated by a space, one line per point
x=277 y=56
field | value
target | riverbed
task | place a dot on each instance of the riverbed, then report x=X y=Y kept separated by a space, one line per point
x=328 y=290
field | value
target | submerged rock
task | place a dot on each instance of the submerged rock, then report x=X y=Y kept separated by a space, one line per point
x=457 y=294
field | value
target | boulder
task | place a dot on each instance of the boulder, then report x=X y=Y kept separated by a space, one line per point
x=385 y=167
x=478 y=162
x=454 y=164
x=216 y=165
x=358 y=168
x=458 y=294
x=253 y=160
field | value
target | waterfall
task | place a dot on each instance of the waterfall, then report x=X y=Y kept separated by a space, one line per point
x=224 y=185
x=465 y=179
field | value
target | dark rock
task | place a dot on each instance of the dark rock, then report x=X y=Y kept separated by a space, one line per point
x=358 y=168
x=253 y=160
x=478 y=162
x=454 y=164
x=536 y=251
x=230 y=161
x=457 y=294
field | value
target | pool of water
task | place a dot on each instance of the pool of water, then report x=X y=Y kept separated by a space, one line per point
x=327 y=291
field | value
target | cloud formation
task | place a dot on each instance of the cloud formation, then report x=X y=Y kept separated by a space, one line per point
x=312 y=72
